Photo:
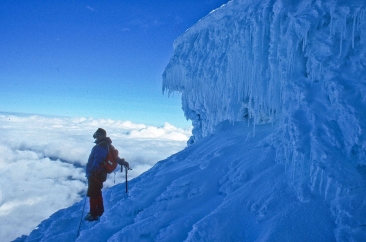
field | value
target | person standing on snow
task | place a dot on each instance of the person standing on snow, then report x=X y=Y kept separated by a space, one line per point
x=96 y=174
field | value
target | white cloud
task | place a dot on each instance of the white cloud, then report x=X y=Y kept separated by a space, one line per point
x=42 y=162
x=167 y=132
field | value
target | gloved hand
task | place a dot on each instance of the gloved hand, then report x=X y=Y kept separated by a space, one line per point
x=124 y=163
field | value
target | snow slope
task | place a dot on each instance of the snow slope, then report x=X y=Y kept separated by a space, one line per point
x=207 y=192
x=276 y=91
x=211 y=192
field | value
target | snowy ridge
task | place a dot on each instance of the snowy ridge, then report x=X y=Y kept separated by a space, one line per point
x=207 y=192
x=276 y=92
x=212 y=192
x=297 y=64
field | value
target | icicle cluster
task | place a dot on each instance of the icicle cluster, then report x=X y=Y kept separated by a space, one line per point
x=248 y=59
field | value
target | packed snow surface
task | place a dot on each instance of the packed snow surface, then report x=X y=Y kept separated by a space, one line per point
x=276 y=92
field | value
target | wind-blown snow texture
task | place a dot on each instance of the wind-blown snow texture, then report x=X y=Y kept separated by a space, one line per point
x=276 y=93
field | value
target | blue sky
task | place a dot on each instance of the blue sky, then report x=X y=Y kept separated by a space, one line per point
x=101 y=59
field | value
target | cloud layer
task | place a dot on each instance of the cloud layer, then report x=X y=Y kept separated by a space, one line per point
x=42 y=162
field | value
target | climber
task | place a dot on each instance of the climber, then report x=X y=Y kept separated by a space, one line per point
x=96 y=173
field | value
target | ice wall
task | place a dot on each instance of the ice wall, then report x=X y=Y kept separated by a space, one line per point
x=252 y=59
x=300 y=65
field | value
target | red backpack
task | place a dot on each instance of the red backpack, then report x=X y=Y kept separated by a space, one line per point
x=110 y=162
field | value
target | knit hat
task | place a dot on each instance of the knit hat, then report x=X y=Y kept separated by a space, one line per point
x=100 y=132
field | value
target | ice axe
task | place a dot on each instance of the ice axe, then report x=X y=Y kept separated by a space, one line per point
x=126 y=171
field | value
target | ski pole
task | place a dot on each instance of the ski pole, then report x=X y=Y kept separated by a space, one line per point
x=81 y=219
